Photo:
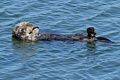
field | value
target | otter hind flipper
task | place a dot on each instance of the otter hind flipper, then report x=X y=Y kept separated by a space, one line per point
x=102 y=39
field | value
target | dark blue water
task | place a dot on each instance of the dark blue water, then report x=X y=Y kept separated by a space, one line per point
x=57 y=60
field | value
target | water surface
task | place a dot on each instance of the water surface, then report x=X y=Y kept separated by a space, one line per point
x=57 y=60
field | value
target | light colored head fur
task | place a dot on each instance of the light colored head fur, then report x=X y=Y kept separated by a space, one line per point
x=26 y=31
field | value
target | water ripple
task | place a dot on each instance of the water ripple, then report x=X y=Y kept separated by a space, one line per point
x=51 y=60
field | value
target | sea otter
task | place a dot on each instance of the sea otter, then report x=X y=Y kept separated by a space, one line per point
x=28 y=32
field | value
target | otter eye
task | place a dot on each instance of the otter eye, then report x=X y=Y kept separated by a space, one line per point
x=30 y=32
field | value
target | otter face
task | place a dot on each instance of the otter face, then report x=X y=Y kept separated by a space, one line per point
x=26 y=31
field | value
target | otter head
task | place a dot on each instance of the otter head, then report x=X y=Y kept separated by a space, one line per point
x=26 y=31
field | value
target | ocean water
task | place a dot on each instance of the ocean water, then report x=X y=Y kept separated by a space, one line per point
x=60 y=60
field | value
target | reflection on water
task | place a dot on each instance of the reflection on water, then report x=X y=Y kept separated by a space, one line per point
x=91 y=45
x=27 y=48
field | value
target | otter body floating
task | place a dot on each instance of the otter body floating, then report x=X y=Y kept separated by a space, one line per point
x=28 y=32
